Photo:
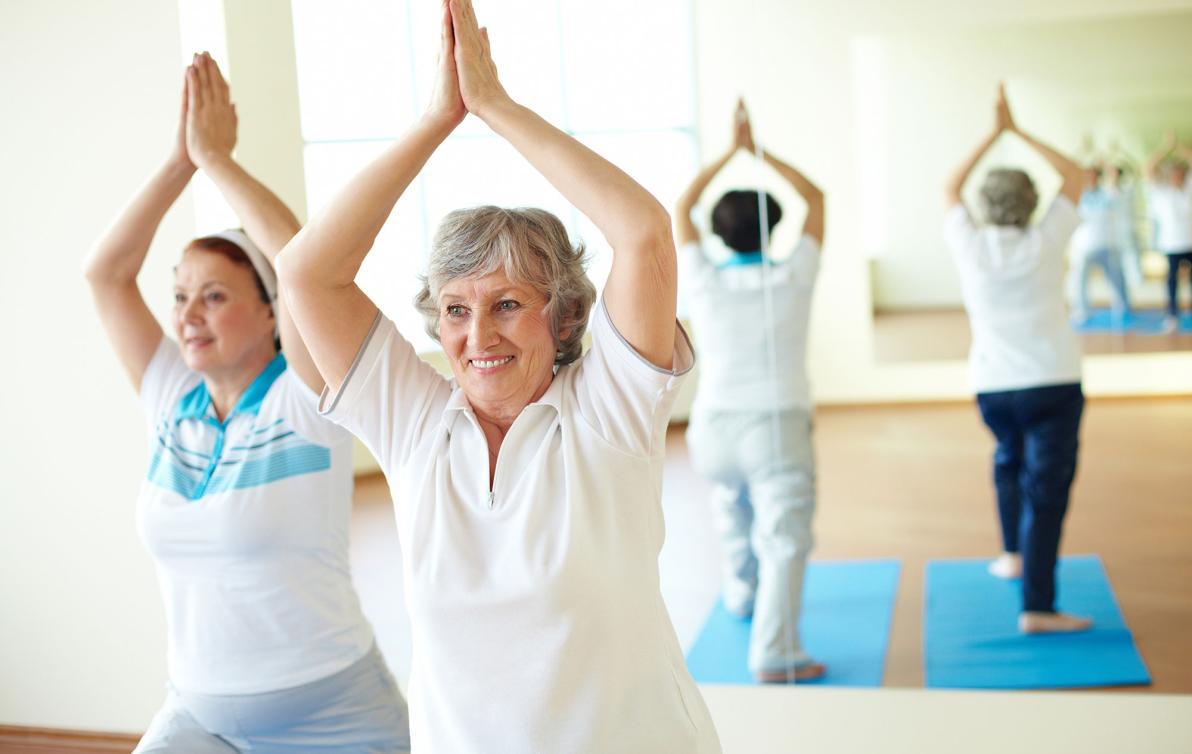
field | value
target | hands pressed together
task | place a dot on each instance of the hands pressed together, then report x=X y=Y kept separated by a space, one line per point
x=467 y=80
x=1003 y=119
x=742 y=129
x=207 y=122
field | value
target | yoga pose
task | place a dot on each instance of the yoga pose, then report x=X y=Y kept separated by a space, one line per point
x=528 y=489
x=1024 y=363
x=1169 y=203
x=1104 y=238
x=750 y=430
x=245 y=507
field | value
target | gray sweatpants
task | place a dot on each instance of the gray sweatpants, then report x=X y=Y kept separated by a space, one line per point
x=359 y=710
x=763 y=502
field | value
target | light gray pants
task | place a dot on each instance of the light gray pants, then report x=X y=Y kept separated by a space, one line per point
x=358 y=710
x=763 y=502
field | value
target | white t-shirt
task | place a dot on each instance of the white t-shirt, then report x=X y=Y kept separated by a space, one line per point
x=1171 y=209
x=729 y=316
x=247 y=523
x=1012 y=281
x=1107 y=220
x=537 y=620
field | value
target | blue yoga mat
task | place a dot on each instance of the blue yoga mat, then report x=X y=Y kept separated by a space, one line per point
x=1145 y=322
x=845 y=624
x=971 y=639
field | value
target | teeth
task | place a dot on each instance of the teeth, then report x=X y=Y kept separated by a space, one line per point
x=491 y=363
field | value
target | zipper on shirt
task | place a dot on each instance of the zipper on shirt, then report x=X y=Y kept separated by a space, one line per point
x=490 y=500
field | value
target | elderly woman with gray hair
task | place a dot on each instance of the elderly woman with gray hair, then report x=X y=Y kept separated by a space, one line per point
x=527 y=490
x=1024 y=363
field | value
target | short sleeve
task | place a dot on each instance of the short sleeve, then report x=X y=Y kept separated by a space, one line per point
x=389 y=398
x=626 y=398
x=166 y=379
x=300 y=405
x=804 y=261
x=959 y=230
x=1060 y=222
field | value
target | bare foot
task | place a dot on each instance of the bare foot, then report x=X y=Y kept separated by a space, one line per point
x=1051 y=623
x=1008 y=565
x=807 y=672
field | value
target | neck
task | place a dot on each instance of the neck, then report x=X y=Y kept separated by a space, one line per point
x=226 y=388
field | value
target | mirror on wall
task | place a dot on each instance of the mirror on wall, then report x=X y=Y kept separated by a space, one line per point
x=1105 y=92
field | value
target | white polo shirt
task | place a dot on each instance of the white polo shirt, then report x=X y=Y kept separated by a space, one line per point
x=729 y=316
x=247 y=523
x=1171 y=209
x=1107 y=221
x=1012 y=283
x=537 y=620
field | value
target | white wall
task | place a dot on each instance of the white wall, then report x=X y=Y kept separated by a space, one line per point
x=90 y=91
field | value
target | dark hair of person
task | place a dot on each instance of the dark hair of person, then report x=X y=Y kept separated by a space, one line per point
x=735 y=218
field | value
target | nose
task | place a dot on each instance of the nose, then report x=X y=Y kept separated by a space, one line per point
x=191 y=312
x=482 y=333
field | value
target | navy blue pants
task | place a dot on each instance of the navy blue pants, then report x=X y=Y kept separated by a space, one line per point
x=1037 y=431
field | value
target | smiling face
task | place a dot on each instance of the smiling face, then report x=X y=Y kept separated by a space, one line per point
x=498 y=339
x=221 y=323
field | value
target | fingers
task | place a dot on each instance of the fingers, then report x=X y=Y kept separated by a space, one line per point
x=219 y=84
x=185 y=94
x=201 y=78
x=194 y=94
x=484 y=41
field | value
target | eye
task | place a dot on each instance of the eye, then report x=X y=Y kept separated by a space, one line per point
x=179 y=298
x=455 y=310
x=214 y=297
x=507 y=305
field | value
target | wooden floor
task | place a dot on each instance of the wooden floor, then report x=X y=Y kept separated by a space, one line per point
x=912 y=482
x=943 y=335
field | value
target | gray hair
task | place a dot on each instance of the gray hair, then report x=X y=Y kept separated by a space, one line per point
x=531 y=247
x=1008 y=197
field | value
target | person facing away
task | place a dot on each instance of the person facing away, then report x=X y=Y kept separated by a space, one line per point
x=1024 y=363
x=750 y=429
x=1169 y=204
x=246 y=502
x=529 y=498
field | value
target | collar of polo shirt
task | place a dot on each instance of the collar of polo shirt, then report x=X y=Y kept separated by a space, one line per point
x=197 y=403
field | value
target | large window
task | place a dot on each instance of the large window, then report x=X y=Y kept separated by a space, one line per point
x=617 y=74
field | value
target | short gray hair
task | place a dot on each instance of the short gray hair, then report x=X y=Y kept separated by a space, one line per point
x=531 y=247
x=1008 y=197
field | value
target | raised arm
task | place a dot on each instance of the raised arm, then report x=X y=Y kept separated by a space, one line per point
x=115 y=261
x=642 y=286
x=954 y=188
x=318 y=267
x=1155 y=159
x=813 y=225
x=1071 y=173
x=685 y=230
x=211 y=136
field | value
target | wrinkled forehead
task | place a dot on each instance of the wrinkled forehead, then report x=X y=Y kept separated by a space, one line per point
x=486 y=287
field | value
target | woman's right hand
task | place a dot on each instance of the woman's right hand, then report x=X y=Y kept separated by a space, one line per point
x=178 y=155
x=479 y=85
x=211 y=116
x=1005 y=120
x=446 y=104
x=742 y=129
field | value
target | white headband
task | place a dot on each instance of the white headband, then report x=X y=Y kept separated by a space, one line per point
x=259 y=262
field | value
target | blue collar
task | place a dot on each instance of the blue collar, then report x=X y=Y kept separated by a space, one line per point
x=197 y=403
x=742 y=258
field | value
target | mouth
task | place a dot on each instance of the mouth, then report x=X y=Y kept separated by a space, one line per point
x=197 y=342
x=489 y=365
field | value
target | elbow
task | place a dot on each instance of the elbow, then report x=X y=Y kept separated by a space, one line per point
x=291 y=270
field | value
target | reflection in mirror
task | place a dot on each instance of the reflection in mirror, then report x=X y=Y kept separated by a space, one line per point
x=1104 y=91
x=749 y=433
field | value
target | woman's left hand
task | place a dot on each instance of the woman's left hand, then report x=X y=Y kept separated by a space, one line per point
x=479 y=85
x=210 y=114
